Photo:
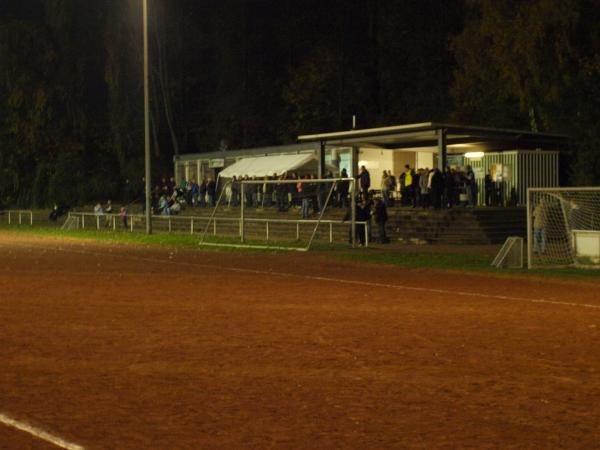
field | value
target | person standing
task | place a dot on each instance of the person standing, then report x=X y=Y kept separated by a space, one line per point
x=437 y=189
x=415 y=190
x=364 y=181
x=363 y=216
x=406 y=184
x=490 y=190
x=202 y=193
x=386 y=184
x=449 y=191
x=124 y=216
x=304 y=194
x=471 y=187
x=424 y=187
x=211 y=190
x=342 y=190
x=108 y=211
x=380 y=215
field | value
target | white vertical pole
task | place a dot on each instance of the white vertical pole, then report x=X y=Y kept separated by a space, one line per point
x=267 y=227
x=192 y=226
x=330 y=232
x=214 y=227
x=297 y=230
x=242 y=184
x=9 y=217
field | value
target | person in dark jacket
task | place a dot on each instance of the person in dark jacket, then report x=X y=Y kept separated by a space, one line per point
x=211 y=191
x=363 y=214
x=364 y=182
x=380 y=215
x=437 y=188
x=235 y=191
x=449 y=190
x=202 y=194
x=342 y=190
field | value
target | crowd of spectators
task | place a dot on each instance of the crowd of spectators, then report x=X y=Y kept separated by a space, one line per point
x=430 y=188
x=298 y=191
x=423 y=188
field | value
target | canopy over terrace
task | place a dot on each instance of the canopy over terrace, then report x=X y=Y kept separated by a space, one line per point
x=263 y=166
x=443 y=138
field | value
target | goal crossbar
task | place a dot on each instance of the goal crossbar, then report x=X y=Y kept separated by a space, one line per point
x=243 y=219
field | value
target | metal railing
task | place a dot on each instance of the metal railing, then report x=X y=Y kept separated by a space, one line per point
x=193 y=224
x=18 y=214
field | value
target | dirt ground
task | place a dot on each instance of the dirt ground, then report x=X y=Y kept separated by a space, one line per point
x=132 y=348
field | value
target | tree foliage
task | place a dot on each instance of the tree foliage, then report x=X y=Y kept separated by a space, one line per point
x=243 y=73
x=534 y=64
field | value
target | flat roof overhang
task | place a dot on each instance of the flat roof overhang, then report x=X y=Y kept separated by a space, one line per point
x=424 y=136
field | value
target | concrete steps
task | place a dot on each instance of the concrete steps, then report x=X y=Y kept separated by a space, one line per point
x=459 y=225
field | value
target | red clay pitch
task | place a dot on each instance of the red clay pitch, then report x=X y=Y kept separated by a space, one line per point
x=129 y=347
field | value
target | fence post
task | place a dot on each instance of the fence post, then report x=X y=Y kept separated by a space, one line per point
x=297 y=230
x=192 y=226
x=20 y=215
x=9 y=217
x=169 y=224
x=98 y=222
x=242 y=186
x=131 y=223
x=366 y=235
x=330 y=232
x=30 y=218
x=267 y=223
x=83 y=221
x=114 y=223
x=215 y=226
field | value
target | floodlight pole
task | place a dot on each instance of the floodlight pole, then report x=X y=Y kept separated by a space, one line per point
x=147 y=170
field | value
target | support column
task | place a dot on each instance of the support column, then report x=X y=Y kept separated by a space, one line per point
x=321 y=158
x=354 y=159
x=442 y=150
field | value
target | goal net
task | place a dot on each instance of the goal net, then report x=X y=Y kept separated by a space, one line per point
x=286 y=214
x=563 y=227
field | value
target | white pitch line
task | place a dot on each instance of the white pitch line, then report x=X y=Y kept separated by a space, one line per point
x=38 y=433
x=329 y=279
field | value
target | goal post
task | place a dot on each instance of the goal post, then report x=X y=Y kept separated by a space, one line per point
x=563 y=227
x=269 y=211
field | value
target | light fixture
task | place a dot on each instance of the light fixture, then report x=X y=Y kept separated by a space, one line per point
x=474 y=155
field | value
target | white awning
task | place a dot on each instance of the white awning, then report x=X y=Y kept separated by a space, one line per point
x=263 y=166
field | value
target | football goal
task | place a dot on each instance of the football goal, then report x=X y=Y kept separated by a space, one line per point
x=282 y=214
x=563 y=227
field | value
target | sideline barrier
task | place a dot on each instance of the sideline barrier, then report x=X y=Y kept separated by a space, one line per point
x=193 y=224
x=19 y=214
